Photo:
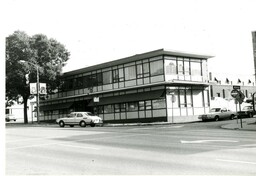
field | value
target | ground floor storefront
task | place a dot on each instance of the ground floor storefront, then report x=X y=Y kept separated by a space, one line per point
x=165 y=103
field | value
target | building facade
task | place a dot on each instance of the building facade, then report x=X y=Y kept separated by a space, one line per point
x=161 y=85
x=221 y=85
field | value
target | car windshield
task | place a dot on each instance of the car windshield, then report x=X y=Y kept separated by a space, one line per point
x=90 y=114
x=215 y=110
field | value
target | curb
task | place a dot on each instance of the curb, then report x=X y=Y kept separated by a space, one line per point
x=245 y=126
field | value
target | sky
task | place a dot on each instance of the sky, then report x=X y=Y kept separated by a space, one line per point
x=97 y=31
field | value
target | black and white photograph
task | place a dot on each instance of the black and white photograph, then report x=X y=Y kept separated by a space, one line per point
x=125 y=87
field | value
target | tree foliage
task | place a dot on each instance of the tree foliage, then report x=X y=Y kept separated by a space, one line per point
x=48 y=54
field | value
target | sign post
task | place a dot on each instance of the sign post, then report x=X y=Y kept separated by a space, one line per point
x=96 y=100
x=239 y=97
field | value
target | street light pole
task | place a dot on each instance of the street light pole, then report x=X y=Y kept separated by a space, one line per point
x=37 y=88
x=37 y=91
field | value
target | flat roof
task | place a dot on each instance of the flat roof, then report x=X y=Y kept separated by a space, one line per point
x=136 y=57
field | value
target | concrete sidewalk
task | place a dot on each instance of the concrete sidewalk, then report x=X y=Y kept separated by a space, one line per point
x=247 y=124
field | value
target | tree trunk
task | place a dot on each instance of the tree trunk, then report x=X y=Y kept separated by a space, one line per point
x=25 y=101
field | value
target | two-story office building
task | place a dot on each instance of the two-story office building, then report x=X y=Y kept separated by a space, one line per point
x=161 y=85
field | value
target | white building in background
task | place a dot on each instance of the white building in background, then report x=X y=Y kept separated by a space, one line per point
x=221 y=86
x=18 y=111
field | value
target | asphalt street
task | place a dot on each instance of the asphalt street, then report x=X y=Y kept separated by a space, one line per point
x=201 y=148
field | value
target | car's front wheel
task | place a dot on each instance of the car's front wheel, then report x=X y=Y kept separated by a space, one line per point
x=250 y=115
x=232 y=117
x=217 y=118
x=62 y=124
x=82 y=124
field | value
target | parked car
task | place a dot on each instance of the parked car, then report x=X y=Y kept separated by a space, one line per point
x=10 y=117
x=80 y=118
x=247 y=111
x=218 y=114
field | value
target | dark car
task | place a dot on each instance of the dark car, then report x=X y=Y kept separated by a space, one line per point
x=246 y=112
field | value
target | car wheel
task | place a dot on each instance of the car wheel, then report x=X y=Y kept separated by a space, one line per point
x=232 y=117
x=217 y=118
x=62 y=124
x=82 y=124
x=250 y=115
x=71 y=125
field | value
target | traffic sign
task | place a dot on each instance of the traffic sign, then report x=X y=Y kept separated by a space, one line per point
x=238 y=95
x=241 y=97
x=234 y=93
x=237 y=87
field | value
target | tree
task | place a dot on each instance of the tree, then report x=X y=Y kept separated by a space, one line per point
x=48 y=54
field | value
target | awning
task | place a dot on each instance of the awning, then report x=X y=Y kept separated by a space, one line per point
x=56 y=106
x=130 y=97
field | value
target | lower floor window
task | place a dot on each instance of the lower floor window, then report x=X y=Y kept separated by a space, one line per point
x=133 y=106
x=159 y=103
x=108 y=109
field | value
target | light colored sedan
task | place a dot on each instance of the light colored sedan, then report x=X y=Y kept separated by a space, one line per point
x=218 y=114
x=80 y=118
x=10 y=117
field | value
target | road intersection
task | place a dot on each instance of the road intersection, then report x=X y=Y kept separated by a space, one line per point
x=193 y=148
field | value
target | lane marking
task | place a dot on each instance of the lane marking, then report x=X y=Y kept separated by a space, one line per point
x=205 y=141
x=154 y=128
x=174 y=126
x=236 y=161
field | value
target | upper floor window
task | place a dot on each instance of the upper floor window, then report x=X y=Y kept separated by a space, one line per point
x=115 y=75
x=79 y=82
x=121 y=74
x=186 y=67
x=87 y=81
x=107 y=77
x=94 y=80
x=145 y=69
x=139 y=71
x=99 y=79
x=170 y=67
x=180 y=66
x=196 y=69
x=157 y=68
x=130 y=72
